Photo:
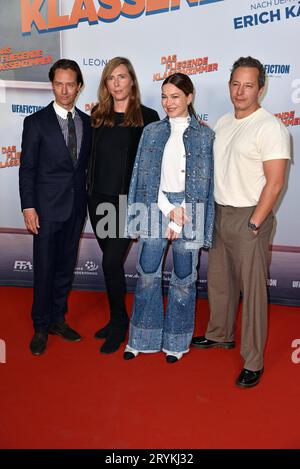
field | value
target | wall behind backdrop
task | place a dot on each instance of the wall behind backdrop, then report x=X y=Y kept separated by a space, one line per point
x=200 y=38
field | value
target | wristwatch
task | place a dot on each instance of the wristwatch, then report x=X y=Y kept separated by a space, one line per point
x=253 y=226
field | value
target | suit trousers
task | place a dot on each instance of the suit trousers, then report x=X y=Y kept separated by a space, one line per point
x=238 y=263
x=55 y=250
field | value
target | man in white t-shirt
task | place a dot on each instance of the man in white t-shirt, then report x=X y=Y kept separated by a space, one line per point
x=251 y=151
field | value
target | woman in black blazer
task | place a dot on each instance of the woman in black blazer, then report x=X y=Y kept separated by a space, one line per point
x=118 y=121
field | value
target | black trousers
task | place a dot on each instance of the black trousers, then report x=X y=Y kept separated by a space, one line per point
x=55 y=249
x=114 y=250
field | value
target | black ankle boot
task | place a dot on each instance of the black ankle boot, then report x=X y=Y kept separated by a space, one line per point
x=113 y=341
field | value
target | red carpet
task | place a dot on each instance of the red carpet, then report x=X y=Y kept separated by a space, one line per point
x=74 y=397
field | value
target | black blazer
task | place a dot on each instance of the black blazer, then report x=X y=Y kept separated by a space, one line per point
x=149 y=115
x=48 y=179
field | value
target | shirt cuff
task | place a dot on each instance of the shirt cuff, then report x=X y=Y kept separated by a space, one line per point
x=173 y=226
x=163 y=204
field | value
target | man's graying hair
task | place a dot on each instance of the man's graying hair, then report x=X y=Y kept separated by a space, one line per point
x=253 y=63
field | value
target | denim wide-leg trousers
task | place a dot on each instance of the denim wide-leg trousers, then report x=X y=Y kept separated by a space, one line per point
x=150 y=329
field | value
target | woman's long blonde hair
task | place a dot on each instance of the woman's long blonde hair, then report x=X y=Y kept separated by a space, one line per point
x=103 y=112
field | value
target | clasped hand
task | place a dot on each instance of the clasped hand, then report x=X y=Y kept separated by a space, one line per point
x=177 y=215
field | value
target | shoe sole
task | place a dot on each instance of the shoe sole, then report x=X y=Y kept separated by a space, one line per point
x=225 y=346
x=36 y=354
x=63 y=337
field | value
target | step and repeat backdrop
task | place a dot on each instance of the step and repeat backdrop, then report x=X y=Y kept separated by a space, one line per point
x=201 y=38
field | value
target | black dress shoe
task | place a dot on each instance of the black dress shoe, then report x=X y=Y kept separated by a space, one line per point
x=248 y=378
x=103 y=332
x=38 y=343
x=63 y=330
x=171 y=359
x=113 y=341
x=203 y=342
x=128 y=355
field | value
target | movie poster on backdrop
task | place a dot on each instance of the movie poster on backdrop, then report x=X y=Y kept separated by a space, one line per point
x=200 y=38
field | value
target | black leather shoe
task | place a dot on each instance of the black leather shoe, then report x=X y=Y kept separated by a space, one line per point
x=63 y=330
x=128 y=355
x=113 y=341
x=38 y=343
x=248 y=378
x=103 y=332
x=203 y=342
x=171 y=359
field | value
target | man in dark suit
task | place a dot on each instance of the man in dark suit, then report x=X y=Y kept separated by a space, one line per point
x=55 y=151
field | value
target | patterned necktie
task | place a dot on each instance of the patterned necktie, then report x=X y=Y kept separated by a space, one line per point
x=72 y=140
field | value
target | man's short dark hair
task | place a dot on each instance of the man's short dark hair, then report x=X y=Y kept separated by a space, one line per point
x=253 y=63
x=66 y=64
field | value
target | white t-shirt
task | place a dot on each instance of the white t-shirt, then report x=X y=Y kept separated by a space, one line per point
x=240 y=148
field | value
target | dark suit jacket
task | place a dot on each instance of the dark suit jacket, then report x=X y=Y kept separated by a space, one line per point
x=48 y=179
x=149 y=115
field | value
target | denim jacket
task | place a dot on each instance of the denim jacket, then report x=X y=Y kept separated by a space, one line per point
x=145 y=180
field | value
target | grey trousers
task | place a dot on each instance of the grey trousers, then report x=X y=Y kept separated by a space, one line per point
x=238 y=262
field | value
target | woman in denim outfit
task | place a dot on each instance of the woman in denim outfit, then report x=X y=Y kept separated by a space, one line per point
x=170 y=200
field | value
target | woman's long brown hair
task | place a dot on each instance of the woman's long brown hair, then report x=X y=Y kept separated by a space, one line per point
x=103 y=112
